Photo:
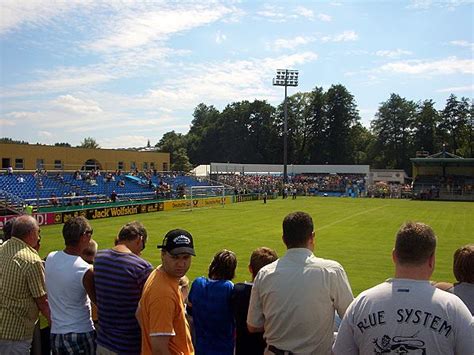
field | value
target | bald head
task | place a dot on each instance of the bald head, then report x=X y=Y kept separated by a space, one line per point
x=24 y=226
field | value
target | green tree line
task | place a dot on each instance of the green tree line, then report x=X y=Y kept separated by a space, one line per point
x=323 y=128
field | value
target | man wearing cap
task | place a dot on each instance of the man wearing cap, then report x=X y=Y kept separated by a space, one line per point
x=161 y=312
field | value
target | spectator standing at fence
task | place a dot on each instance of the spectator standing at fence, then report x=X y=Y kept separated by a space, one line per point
x=407 y=313
x=161 y=310
x=119 y=275
x=294 y=298
x=70 y=285
x=113 y=196
x=212 y=314
x=22 y=291
x=249 y=343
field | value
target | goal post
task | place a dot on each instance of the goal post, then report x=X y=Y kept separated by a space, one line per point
x=207 y=196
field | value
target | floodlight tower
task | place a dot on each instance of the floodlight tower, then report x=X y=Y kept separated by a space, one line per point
x=285 y=77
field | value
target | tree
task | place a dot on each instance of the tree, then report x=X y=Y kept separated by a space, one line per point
x=342 y=115
x=180 y=161
x=392 y=128
x=203 y=141
x=62 y=144
x=172 y=142
x=316 y=112
x=424 y=127
x=89 y=143
x=11 y=141
x=454 y=119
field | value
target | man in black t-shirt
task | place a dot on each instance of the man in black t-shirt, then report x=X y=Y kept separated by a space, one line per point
x=249 y=343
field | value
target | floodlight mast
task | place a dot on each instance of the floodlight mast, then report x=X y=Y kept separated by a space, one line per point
x=285 y=77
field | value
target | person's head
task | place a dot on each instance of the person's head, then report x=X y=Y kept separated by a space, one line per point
x=89 y=253
x=298 y=230
x=77 y=232
x=463 y=266
x=223 y=265
x=134 y=236
x=176 y=252
x=27 y=229
x=7 y=229
x=415 y=244
x=261 y=257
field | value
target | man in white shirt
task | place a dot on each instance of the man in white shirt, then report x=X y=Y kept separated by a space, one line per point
x=294 y=298
x=70 y=283
x=406 y=314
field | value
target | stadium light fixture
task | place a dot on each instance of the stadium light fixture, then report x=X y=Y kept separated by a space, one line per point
x=285 y=77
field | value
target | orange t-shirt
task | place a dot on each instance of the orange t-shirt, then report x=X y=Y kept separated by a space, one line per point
x=162 y=314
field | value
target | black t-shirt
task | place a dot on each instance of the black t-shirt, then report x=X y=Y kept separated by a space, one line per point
x=246 y=343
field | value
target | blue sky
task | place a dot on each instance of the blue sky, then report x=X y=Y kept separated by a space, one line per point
x=125 y=72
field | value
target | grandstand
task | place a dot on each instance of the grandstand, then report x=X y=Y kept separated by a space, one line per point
x=443 y=176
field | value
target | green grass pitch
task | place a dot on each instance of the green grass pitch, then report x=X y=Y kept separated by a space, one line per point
x=358 y=233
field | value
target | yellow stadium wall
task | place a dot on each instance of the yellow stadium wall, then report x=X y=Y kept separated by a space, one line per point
x=75 y=158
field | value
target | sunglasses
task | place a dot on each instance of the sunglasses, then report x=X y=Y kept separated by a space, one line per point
x=89 y=231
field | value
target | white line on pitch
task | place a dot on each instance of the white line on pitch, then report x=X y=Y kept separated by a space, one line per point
x=349 y=217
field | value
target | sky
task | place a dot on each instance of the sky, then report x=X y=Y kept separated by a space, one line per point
x=125 y=72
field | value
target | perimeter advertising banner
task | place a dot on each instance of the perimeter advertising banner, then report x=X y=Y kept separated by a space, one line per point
x=42 y=218
x=196 y=203
x=107 y=212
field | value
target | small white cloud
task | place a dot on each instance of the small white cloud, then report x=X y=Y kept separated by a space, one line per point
x=463 y=43
x=274 y=13
x=451 y=65
x=6 y=122
x=345 y=36
x=304 y=12
x=467 y=89
x=292 y=43
x=324 y=18
x=396 y=53
x=73 y=104
x=220 y=37
x=125 y=141
x=45 y=134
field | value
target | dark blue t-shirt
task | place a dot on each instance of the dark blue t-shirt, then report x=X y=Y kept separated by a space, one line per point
x=212 y=316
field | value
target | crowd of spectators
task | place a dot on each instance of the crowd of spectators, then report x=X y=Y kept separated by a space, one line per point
x=112 y=301
x=305 y=184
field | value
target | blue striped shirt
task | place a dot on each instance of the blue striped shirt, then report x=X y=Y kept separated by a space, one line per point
x=119 y=279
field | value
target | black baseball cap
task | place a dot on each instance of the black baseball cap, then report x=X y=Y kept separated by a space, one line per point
x=178 y=241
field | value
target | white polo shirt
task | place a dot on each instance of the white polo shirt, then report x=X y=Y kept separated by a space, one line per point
x=294 y=299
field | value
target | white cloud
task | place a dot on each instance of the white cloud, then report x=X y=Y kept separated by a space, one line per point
x=220 y=37
x=76 y=105
x=6 y=122
x=396 y=53
x=451 y=65
x=16 y=14
x=304 y=12
x=324 y=17
x=45 y=134
x=124 y=141
x=427 y=4
x=139 y=28
x=468 y=89
x=274 y=13
x=292 y=43
x=345 y=36
x=462 y=43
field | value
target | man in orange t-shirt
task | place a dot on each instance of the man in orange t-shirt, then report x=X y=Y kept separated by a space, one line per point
x=161 y=309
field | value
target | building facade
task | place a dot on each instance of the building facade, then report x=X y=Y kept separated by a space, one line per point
x=25 y=157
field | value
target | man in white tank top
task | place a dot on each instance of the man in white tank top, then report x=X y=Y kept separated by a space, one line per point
x=70 y=286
